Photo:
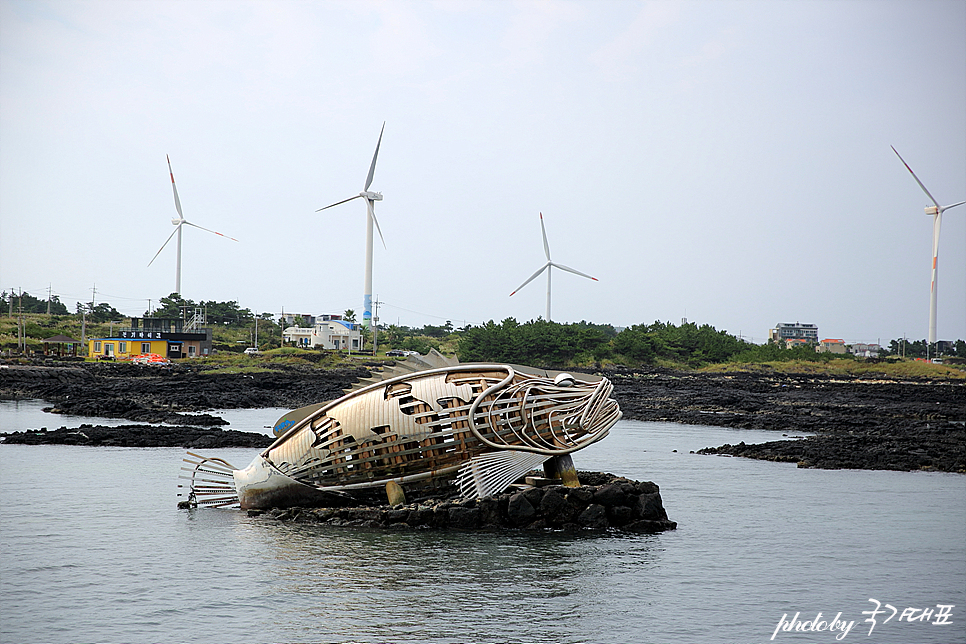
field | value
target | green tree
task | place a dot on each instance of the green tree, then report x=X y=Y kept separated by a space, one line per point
x=535 y=343
x=170 y=307
x=27 y=303
x=229 y=313
x=102 y=312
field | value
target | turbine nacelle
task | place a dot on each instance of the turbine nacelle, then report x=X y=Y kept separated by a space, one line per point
x=932 y=210
x=371 y=196
x=176 y=222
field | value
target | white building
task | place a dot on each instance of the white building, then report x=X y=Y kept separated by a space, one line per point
x=798 y=331
x=329 y=332
x=865 y=350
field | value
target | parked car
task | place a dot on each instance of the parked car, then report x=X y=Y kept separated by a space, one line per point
x=251 y=351
x=399 y=353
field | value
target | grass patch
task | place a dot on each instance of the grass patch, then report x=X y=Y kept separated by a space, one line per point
x=845 y=367
x=271 y=360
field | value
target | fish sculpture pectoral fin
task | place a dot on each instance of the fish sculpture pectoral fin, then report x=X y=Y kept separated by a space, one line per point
x=493 y=472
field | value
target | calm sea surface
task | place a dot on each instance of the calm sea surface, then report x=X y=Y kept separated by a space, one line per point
x=95 y=550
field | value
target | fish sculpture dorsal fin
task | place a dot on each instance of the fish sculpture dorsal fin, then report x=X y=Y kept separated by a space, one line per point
x=412 y=364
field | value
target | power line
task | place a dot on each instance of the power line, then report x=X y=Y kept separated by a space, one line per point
x=430 y=315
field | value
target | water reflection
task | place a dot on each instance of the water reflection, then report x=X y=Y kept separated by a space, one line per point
x=417 y=584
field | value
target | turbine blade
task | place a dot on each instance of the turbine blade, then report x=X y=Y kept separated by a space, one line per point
x=177 y=201
x=176 y=229
x=570 y=270
x=372 y=168
x=337 y=203
x=915 y=177
x=952 y=205
x=210 y=230
x=546 y=246
x=372 y=213
x=531 y=278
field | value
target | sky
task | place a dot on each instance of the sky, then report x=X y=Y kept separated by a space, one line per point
x=728 y=163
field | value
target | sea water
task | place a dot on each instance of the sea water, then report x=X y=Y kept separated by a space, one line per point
x=94 y=549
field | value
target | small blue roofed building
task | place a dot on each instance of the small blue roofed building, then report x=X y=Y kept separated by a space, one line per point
x=329 y=332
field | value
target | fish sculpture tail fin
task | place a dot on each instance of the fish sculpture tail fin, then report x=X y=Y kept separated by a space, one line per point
x=212 y=483
x=493 y=472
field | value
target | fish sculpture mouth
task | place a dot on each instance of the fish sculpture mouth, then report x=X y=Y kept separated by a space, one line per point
x=484 y=425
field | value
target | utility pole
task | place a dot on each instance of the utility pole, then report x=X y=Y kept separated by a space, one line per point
x=48 y=299
x=375 y=326
x=84 y=327
x=21 y=328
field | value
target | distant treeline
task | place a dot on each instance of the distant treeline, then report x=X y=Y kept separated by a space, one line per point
x=13 y=303
x=542 y=343
x=538 y=342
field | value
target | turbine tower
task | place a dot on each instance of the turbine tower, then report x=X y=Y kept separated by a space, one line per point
x=937 y=219
x=547 y=267
x=179 y=223
x=371 y=198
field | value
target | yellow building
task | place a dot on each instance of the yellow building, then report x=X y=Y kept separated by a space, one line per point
x=164 y=337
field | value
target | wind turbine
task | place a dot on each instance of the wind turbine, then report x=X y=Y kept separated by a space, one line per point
x=179 y=222
x=371 y=198
x=547 y=266
x=937 y=219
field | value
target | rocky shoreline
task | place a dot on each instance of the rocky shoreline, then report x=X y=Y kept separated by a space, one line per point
x=864 y=423
x=147 y=393
x=873 y=423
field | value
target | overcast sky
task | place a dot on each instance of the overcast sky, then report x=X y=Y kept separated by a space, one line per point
x=724 y=162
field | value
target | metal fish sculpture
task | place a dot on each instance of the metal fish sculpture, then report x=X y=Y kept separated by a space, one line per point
x=485 y=425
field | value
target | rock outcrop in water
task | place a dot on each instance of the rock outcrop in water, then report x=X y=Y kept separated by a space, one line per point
x=139 y=436
x=609 y=502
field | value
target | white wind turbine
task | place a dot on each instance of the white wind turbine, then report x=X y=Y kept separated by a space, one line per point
x=937 y=219
x=547 y=266
x=179 y=222
x=371 y=198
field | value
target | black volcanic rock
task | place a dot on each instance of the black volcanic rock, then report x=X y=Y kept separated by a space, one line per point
x=859 y=423
x=139 y=436
x=549 y=508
